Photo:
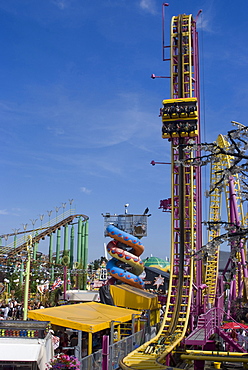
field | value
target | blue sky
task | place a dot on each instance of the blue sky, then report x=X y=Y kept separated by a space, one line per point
x=79 y=111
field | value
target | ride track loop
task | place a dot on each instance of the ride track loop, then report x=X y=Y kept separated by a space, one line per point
x=115 y=249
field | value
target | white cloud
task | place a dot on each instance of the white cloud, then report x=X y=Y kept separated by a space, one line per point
x=61 y=4
x=204 y=24
x=206 y=21
x=148 y=5
x=3 y=212
x=85 y=190
x=16 y=209
x=57 y=131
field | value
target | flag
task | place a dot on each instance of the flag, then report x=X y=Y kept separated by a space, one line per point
x=55 y=342
x=43 y=287
x=57 y=283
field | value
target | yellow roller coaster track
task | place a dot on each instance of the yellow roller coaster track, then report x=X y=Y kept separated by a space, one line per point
x=217 y=168
x=152 y=354
x=182 y=71
x=155 y=353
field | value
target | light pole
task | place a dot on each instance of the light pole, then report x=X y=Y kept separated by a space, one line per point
x=6 y=237
x=15 y=237
x=41 y=219
x=56 y=210
x=27 y=277
x=6 y=289
x=70 y=201
x=49 y=215
x=25 y=228
x=33 y=221
x=63 y=206
x=126 y=206
x=7 y=285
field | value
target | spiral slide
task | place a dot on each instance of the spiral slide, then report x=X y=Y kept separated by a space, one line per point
x=119 y=254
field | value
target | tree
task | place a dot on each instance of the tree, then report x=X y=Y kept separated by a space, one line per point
x=96 y=264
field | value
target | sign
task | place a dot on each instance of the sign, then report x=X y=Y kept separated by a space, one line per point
x=159 y=280
x=98 y=284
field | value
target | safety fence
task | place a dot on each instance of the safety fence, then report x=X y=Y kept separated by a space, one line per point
x=116 y=351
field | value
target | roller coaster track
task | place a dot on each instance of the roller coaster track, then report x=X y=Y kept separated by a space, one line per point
x=173 y=328
x=217 y=171
x=11 y=250
x=155 y=354
x=184 y=305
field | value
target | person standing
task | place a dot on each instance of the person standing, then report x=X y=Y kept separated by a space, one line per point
x=5 y=312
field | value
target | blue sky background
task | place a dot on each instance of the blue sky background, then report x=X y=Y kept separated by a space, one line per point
x=79 y=111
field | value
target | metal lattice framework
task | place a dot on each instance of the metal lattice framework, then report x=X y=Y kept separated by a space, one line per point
x=235 y=214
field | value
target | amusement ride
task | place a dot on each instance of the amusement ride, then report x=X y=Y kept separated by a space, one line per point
x=68 y=249
x=195 y=307
x=195 y=303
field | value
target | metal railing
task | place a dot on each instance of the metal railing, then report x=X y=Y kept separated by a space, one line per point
x=24 y=237
x=93 y=361
x=117 y=351
x=135 y=225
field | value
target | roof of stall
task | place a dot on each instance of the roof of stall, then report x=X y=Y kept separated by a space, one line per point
x=82 y=295
x=128 y=296
x=18 y=349
x=89 y=317
x=158 y=271
x=156 y=262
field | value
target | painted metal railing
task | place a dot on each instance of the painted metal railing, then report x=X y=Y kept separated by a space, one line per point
x=205 y=328
x=117 y=351
x=24 y=235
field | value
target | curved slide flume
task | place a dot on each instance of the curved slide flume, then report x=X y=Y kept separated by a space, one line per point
x=131 y=258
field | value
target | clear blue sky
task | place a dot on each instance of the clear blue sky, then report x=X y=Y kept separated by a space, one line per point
x=79 y=111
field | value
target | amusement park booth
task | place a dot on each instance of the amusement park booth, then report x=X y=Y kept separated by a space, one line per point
x=87 y=319
x=25 y=345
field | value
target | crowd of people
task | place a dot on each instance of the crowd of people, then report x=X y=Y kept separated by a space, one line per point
x=13 y=310
x=67 y=339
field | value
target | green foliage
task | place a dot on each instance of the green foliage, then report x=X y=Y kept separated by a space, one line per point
x=96 y=264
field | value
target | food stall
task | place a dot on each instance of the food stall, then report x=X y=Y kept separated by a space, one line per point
x=25 y=345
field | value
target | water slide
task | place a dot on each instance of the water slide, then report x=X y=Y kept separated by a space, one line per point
x=121 y=257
